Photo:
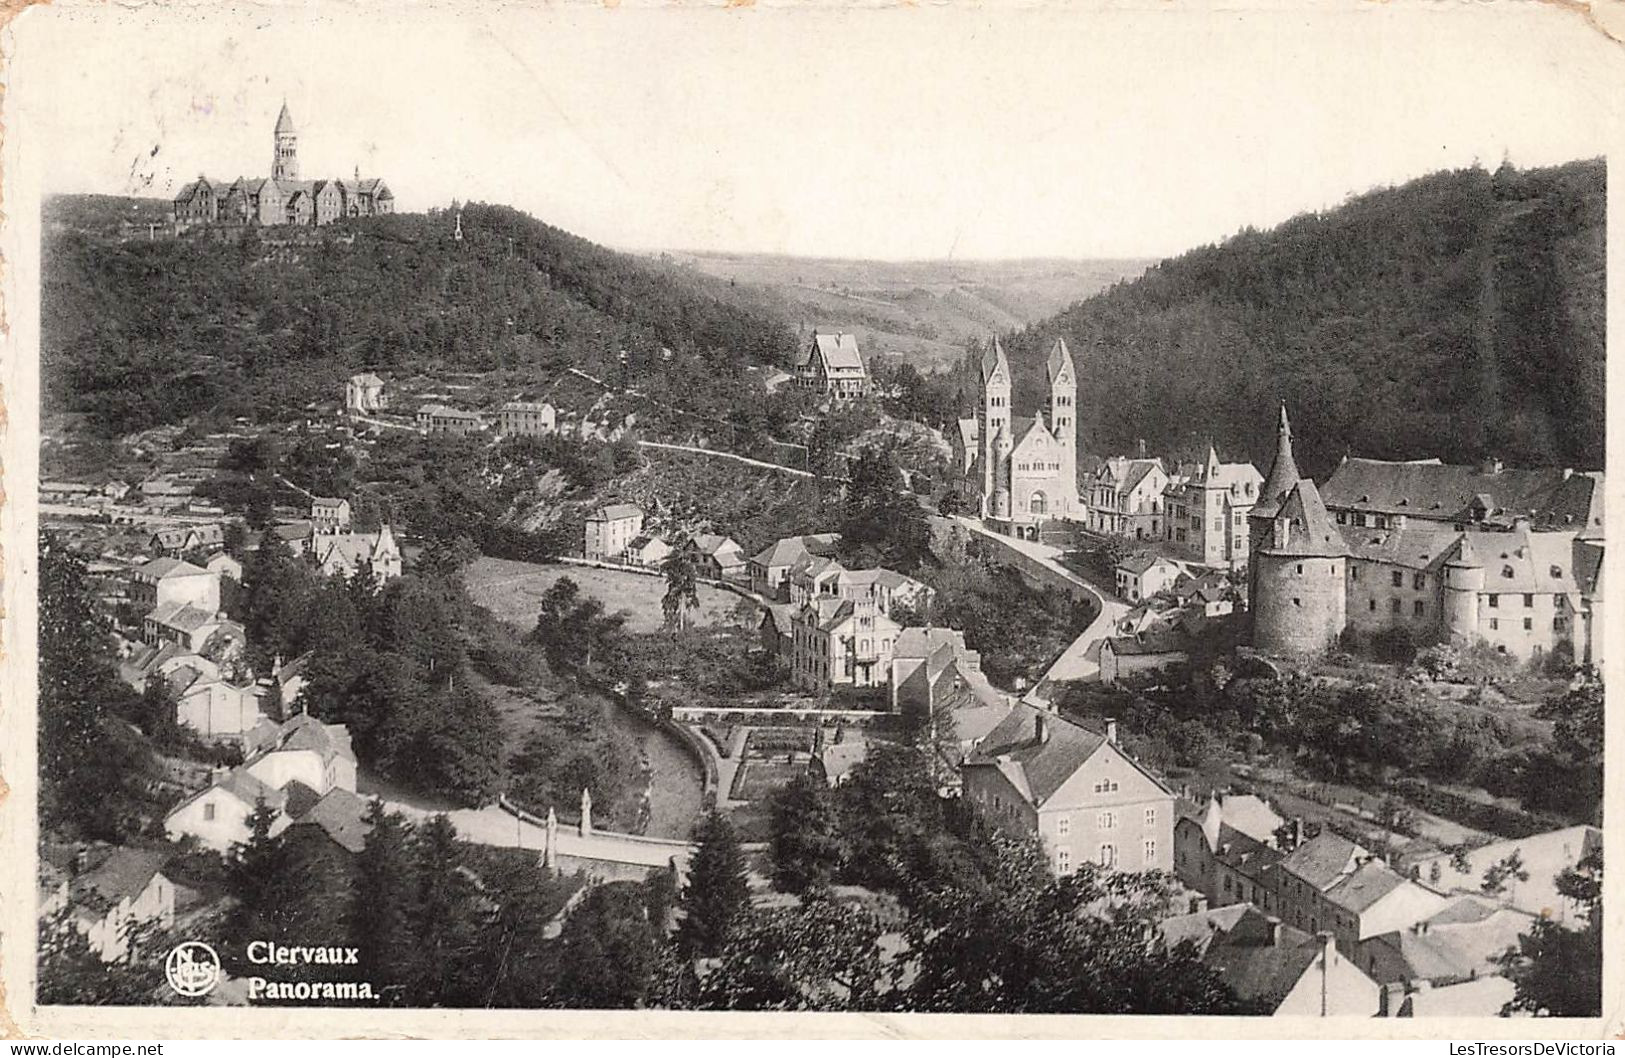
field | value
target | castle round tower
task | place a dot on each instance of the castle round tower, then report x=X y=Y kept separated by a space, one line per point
x=1297 y=590
x=1463 y=582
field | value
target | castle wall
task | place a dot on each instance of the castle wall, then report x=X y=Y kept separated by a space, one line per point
x=1298 y=604
x=1376 y=603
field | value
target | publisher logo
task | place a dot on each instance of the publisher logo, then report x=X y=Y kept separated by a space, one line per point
x=193 y=968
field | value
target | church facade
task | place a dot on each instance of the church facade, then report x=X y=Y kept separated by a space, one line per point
x=1018 y=472
x=282 y=198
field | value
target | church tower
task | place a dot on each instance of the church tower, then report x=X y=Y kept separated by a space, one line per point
x=1063 y=417
x=994 y=418
x=285 y=165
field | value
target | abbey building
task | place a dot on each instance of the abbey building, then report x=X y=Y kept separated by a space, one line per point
x=1018 y=472
x=281 y=198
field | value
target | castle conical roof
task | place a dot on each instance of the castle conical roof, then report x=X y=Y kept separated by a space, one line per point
x=284 y=121
x=1283 y=471
x=1309 y=529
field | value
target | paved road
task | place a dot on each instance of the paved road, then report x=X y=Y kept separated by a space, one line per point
x=1081 y=659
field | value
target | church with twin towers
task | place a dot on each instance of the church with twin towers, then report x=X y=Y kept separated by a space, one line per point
x=1019 y=472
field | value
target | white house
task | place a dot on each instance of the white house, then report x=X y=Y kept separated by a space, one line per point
x=1144 y=575
x=610 y=529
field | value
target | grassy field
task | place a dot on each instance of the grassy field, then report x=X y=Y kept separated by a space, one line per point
x=513 y=591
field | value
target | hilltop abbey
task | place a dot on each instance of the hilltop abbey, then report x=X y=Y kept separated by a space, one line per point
x=1019 y=472
x=282 y=198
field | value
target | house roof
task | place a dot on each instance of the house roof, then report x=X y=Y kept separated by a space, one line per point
x=1460 y=942
x=342 y=816
x=1035 y=767
x=610 y=512
x=1448 y=492
x=782 y=614
x=366 y=378
x=181 y=616
x=1419 y=545
x=838 y=350
x=926 y=642
x=1260 y=959
x=1152 y=641
x=295 y=530
x=1138 y=564
x=790 y=549
x=122 y=875
x=969 y=431
x=1251 y=815
x=713 y=543
x=645 y=542
x=1323 y=859
x=328 y=501
x=1283 y=473
x=1370 y=882
x=304 y=732
x=163 y=568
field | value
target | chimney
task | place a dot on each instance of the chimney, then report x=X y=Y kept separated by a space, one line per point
x=1041 y=728
x=1490 y=467
x=1141 y=447
x=1272 y=924
x=1111 y=730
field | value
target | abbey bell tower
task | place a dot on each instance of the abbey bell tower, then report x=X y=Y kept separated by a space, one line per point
x=285 y=165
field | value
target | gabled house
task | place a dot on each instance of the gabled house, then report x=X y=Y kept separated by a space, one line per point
x=342 y=554
x=1450 y=959
x=1283 y=970
x=1330 y=883
x=217 y=709
x=1152 y=651
x=217 y=815
x=646 y=550
x=364 y=394
x=1038 y=773
x=610 y=530
x=831 y=364
x=330 y=514
x=520 y=418
x=720 y=556
x=302 y=749
x=190 y=627
x=771 y=567
x=840 y=642
x=169 y=580
x=175 y=541
x=1126 y=497
x=110 y=892
x=1228 y=852
x=1141 y=576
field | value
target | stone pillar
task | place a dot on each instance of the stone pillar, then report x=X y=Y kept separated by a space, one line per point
x=586 y=813
x=550 y=845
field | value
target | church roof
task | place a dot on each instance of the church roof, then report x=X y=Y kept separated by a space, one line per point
x=1059 y=357
x=993 y=357
x=284 y=121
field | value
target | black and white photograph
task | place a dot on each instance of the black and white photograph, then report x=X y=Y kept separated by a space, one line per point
x=999 y=510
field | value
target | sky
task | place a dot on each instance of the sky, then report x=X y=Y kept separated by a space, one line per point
x=903 y=133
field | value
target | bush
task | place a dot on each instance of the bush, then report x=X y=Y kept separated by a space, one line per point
x=1394 y=645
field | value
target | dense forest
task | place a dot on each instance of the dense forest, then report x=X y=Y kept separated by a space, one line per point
x=140 y=331
x=1459 y=315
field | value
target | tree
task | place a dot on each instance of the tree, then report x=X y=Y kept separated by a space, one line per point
x=882 y=523
x=716 y=899
x=1556 y=970
x=1508 y=869
x=157 y=716
x=806 y=840
x=682 y=587
x=70 y=973
x=442 y=914
x=386 y=893
x=606 y=951
x=818 y=955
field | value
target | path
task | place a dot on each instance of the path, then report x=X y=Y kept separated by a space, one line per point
x=492 y=825
x=764 y=464
x=1081 y=659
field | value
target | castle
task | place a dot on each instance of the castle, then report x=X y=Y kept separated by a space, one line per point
x=1019 y=472
x=283 y=198
x=1509 y=558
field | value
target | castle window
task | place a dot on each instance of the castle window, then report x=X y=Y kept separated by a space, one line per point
x=1300 y=568
x=1354 y=573
x=1560 y=602
x=1528 y=600
x=1150 y=850
x=1372 y=605
x=1297 y=602
x=1495 y=601
x=1399 y=579
x=1557 y=572
x=1495 y=624
x=1528 y=624
x=1393 y=605
x=1506 y=571
x=1418 y=608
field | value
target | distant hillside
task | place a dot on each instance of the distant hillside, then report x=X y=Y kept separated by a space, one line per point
x=922 y=312
x=139 y=331
x=1460 y=315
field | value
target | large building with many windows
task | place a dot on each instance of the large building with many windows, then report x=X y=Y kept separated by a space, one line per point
x=1508 y=558
x=1037 y=773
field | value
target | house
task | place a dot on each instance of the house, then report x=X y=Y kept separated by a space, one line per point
x=916 y=646
x=1373 y=493
x=302 y=749
x=169 y=580
x=1447 y=959
x=720 y=556
x=338 y=818
x=296 y=536
x=217 y=709
x=188 y=626
x=225 y=566
x=1283 y=970
x=610 y=530
x=519 y=418
x=438 y=418
x=1227 y=851
x=1126 y=498
x=1151 y=651
x=218 y=815
x=1331 y=883
x=329 y=514
x=645 y=550
x=1019 y=472
x=164 y=491
x=162 y=659
x=770 y=568
x=343 y=554
x=1206 y=514
x=825 y=578
x=831 y=364
x=949 y=686
x=1143 y=575
x=288 y=679
x=364 y=394
x=777 y=630
x=1544 y=857
x=1037 y=773
x=840 y=642
x=111 y=892
x=175 y=541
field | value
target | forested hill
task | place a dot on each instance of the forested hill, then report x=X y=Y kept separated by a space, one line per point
x=1460 y=315
x=140 y=331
